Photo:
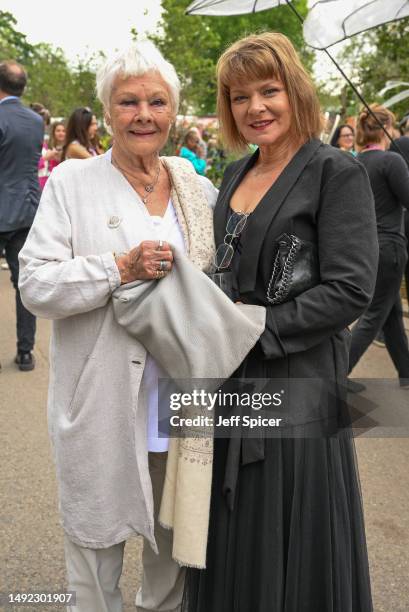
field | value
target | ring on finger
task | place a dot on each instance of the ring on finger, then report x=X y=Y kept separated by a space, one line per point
x=163 y=265
x=160 y=245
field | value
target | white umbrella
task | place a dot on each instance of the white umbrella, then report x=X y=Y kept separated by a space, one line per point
x=402 y=95
x=391 y=85
x=231 y=7
x=327 y=22
x=330 y=21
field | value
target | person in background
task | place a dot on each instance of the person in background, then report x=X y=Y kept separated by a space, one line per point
x=96 y=144
x=202 y=140
x=21 y=138
x=51 y=153
x=403 y=144
x=400 y=145
x=193 y=151
x=82 y=128
x=44 y=113
x=216 y=158
x=389 y=177
x=344 y=138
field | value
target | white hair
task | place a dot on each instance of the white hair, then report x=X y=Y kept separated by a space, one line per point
x=137 y=60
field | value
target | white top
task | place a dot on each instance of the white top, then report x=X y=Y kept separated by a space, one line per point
x=158 y=228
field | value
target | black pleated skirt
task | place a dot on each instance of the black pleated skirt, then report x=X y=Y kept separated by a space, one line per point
x=295 y=539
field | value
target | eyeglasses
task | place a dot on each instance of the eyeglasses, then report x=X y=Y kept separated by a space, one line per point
x=235 y=226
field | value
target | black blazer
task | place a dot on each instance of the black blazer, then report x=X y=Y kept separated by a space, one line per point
x=323 y=196
x=21 y=138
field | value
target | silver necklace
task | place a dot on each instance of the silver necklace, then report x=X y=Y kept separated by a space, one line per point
x=149 y=188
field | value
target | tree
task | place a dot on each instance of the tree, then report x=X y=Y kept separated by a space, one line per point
x=375 y=57
x=193 y=44
x=57 y=84
x=52 y=80
x=13 y=44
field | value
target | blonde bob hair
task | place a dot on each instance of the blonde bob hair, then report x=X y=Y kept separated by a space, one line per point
x=368 y=130
x=267 y=56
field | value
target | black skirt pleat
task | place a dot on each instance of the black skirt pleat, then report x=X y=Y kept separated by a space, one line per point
x=295 y=540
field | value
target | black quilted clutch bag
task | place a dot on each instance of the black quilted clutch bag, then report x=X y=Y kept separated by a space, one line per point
x=296 y=269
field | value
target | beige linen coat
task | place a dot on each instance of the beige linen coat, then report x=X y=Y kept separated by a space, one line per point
x=97 y=409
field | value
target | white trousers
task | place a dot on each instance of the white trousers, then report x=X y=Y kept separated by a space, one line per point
x=94 y=574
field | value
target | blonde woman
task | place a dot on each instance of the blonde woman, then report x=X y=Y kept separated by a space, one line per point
x=286 y=524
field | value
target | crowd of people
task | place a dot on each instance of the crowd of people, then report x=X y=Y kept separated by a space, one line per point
x=305 y=239
x=78 y=138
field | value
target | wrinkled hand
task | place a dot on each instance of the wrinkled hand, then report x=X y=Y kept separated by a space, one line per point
x=144 y=261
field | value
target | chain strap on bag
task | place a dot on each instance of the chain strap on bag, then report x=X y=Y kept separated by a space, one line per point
x=295 y=269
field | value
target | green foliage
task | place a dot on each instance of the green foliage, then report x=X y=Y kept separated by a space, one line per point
x=216 y=171
x=52 y=80
x=13 y=44
x=375 y=57
x=193 y=44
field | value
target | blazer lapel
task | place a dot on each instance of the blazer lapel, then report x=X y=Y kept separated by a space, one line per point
x=265 y=212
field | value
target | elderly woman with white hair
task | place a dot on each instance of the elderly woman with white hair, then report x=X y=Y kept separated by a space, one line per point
x=104 y=222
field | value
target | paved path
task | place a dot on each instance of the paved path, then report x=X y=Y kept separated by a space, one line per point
x=31 y=547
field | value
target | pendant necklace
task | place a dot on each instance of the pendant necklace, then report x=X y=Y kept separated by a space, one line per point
x=149 y=188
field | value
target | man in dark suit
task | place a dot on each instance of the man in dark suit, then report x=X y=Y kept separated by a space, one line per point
x=21 y=137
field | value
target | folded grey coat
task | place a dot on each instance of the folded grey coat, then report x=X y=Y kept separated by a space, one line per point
x=189 y=326
x=194 y=332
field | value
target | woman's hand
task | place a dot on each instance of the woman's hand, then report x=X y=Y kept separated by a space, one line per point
x=50 y=154
x=56 y=155
x=151 y=259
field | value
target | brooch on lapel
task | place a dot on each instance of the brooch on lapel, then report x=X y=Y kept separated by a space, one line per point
x=114 y=222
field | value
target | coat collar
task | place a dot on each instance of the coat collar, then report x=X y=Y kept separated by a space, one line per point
x=192 y=210
x=265 y=212
x=10 y=100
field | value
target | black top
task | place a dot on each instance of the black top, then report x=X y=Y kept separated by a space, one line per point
x=401 y=146
x=389 y=177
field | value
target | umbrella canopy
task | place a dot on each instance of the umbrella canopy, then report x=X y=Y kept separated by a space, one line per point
x=330 y=21
x=402 y=95
x=231 y=7
x=392 y=85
